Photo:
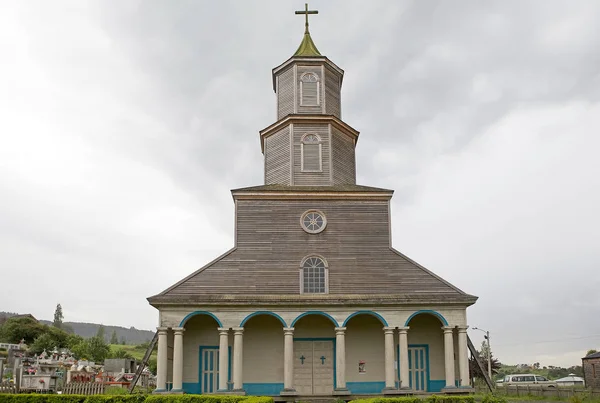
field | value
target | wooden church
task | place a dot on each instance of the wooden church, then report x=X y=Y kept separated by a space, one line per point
x=312 y=299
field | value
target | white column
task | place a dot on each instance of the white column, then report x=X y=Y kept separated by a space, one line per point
x=390 y=381
x=288 y=359
x=340 y=346
x=403 y=341
x=238 y=358
x=463 y=358
x=223 y=358
x=449 y=357
x=161 y=360
x=178 y=360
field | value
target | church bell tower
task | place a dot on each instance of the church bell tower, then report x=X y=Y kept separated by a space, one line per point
x=309 y=145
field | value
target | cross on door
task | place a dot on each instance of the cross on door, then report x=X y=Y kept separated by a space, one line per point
x=322 y=360
x=302 y=358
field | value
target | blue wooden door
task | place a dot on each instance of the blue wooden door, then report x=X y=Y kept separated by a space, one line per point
x=209 y=370
x=417 y=368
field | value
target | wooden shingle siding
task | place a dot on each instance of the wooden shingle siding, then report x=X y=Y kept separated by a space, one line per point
x=271 y=245
x=344 y=163
x=277 y=158
x=332 y=93
x=315 y=108
x=285 y=93
x=311 y=178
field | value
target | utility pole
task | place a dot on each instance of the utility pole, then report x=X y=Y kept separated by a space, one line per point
x=487 y=336
x=489 y=357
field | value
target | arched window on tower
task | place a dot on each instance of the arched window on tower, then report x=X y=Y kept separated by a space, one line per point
x=310 y=90
x=311 y=153
x=314 y=276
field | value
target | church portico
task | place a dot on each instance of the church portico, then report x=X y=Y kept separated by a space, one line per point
x=312 y=299
x=370 y=352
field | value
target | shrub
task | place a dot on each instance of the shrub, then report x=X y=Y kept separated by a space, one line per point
x=37 y=398
x=493 y=399
x=206 y=399
x=450 y=399
x=404 y=399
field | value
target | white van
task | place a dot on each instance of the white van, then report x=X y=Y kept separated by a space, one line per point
x=528 y=379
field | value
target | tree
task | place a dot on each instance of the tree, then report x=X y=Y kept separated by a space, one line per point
x=73 y=340
x=58 y=317
x=44 y=342
x=120 y=353
x=113 y=338
x=24 y=328
x=51 y=337
x=152 y=365
x=590 y=352
x=94 y=349
x=483 y=355
x=100 y=332
x=97 y=349
x=484 y=352
x=123 y=340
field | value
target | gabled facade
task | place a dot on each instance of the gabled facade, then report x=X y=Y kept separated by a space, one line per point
x=312 y=299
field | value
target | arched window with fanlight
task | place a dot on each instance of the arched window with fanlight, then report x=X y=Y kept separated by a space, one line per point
x=310 y=88
x=314 y=276
x=311 y=153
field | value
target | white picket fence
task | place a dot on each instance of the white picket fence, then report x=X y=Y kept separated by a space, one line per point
x=84 y=388
x=7 y=387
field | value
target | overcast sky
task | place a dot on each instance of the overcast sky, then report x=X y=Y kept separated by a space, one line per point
x=124 y=124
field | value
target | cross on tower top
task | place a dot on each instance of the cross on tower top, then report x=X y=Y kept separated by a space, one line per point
x=306 y=11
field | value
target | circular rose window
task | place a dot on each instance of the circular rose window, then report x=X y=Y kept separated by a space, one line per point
x=313 y=221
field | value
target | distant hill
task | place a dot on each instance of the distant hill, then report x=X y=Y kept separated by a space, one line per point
x=131 y=335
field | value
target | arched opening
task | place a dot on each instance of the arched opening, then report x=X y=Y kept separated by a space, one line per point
x=200 y=353
x=365 y=353
x=426 y=351
x=311 y=153
x=257 y=313
x=314 y=353
x=310 y=90
x=263 y=354
x=313 y=313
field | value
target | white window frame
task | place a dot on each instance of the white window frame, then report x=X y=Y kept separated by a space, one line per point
x=320 y=142
x=318 y=89
x=326 y=274
x=313 y=232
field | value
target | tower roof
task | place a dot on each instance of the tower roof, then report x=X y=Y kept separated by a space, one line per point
x=307 y=47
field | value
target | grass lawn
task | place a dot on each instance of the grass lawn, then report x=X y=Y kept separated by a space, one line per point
x=136 y=351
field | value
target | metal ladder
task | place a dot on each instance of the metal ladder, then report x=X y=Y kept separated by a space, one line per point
x=144 y=362
x=475 y=354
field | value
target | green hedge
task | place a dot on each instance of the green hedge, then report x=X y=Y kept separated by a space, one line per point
x=404 y=399
x=429 y=399
x=203 y=399
x=493 y=399
x=450 y=399
x=40 y=398
x=37 y=398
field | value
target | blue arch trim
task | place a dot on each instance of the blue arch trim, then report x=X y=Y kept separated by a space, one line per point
x=189 y=315
x=328 y=316
x=263 y=313
x=430 y=312
x=375 y=314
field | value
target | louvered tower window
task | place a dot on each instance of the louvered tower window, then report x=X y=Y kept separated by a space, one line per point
x=311 y=153
x=314 y=276
x=309 y=90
